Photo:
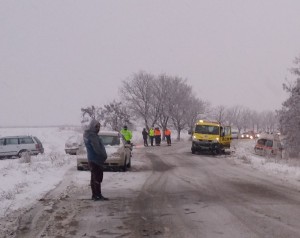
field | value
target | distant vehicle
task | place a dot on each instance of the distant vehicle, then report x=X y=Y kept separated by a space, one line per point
x=269 y=145
x=73 y=143
x=250 y=135
x=16 y=145
x=234 y=134
x=118 y=152
x=211 y=136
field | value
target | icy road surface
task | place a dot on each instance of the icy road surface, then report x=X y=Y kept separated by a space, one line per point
x=169 y=193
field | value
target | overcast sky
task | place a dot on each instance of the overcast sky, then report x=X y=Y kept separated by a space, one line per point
x=59 y=56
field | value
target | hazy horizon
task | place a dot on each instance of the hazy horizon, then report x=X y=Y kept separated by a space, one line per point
x=60 y=56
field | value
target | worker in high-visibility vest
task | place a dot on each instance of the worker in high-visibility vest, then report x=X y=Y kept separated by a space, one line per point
x=151 y=135
x=157 y=136
x=168 y=136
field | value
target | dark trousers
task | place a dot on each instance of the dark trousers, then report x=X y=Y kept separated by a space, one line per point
x=151 y=140
x=157 y=140
x=145 y=141
x=96 y=178
x=168 y=140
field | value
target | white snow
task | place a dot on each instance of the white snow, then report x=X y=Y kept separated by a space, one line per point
x=21 y=184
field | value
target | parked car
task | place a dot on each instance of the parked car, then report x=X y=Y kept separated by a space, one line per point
x=234 y=134
x=118 y=152
x=269 y=145
x=73 y=143
x=16 y=145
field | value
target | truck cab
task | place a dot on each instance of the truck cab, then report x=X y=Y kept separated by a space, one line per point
x=211 y=136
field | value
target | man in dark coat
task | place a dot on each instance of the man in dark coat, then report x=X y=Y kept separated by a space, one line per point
x=96 y=155
x=145 y=137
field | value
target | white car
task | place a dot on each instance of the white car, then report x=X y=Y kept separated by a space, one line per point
x=234 y=134
x=118 y=152
x=16 y=145
x=73 y=143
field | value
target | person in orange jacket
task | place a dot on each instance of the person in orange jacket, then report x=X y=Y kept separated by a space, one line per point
x=168 y=136
x=157 y=136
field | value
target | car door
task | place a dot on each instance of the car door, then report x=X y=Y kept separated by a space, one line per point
x=2 y=149
x=226 y=136
x=11 y=146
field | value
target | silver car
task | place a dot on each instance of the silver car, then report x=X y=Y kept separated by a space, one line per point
x=118 y=152
x=17 y=145
x=73 y=143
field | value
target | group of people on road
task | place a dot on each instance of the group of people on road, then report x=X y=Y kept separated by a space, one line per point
x=154 y=134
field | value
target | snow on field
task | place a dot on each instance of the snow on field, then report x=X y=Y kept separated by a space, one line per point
x=21 y=184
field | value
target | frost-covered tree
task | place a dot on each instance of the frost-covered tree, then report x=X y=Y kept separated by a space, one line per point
x=289 y=115
x=88 y=112
x=138 y=94
x=114 y=115
x=180 y=101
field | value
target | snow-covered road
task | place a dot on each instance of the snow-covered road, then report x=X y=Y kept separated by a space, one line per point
x=168 y=193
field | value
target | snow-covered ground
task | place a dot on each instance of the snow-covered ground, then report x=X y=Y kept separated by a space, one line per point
x=22 y=183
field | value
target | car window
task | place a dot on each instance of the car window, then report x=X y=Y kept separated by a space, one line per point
x=1 y=141
x=261 y=141
x=12 y=141
x=203 y=129
x=26 y=140
x=269 y=143
x=37 y=140
x=110 y=140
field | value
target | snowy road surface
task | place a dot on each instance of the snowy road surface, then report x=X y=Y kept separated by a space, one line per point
x=177 y=195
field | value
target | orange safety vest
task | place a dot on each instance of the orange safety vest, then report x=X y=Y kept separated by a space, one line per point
x=157 y=132
x=167 y=132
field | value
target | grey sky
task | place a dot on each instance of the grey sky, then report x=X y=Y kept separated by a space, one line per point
x=59 y=56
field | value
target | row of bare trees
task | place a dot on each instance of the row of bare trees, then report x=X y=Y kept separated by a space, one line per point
x=168 y=101
x=243 y=118
x=163 y=100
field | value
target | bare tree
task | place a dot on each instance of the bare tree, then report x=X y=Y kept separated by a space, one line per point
x=180 y=100
x=195 y=108
x=164 y=94
x=88 y=112
x=115 y=115
x=137 y=93
x=219 y=114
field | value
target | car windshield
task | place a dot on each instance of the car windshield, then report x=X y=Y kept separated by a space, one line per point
x=203 y=129
x=110 y=140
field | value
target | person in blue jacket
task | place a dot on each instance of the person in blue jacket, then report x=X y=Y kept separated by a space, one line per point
x=96 y=155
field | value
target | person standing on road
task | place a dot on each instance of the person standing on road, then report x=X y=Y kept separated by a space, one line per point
x=127 y=134
x=151 y=135
x=96 y=154
x=168 y=136
x=145 y=137
x=157 y=136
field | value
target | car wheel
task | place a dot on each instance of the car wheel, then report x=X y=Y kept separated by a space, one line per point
x=21 y=152
x=193 y=151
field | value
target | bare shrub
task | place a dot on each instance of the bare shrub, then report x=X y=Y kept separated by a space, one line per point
x=25 y=158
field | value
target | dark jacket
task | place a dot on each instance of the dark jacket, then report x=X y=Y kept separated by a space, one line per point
x=145 y=134
x=96 y=152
